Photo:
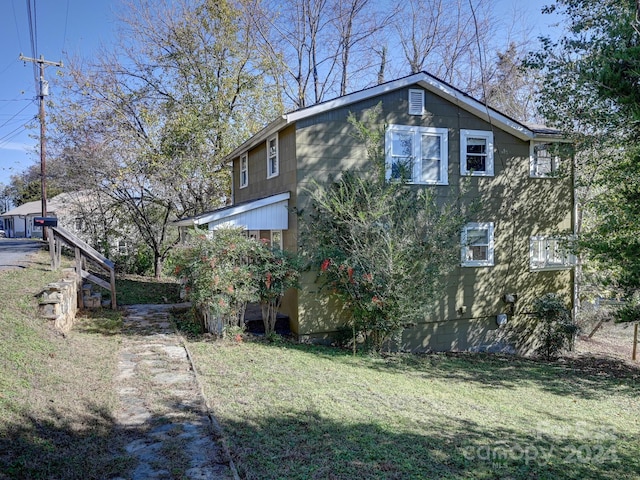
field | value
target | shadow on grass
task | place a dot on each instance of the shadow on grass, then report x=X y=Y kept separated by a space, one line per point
x=588 y=377
x=57 y=445
x=52 y=446
x=304 y=445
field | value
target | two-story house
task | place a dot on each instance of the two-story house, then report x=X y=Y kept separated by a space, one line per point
x=510 y=253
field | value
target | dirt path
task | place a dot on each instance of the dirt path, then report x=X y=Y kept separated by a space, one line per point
x=612 y=340
x=161 y=402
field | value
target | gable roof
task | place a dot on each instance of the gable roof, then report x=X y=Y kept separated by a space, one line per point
x=423 y=79
x=29 y=208
x=54 y=205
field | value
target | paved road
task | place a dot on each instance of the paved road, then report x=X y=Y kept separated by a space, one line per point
x=15 y=252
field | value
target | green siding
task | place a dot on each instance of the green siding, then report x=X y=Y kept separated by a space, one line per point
x=519 y=206
x=320 y=147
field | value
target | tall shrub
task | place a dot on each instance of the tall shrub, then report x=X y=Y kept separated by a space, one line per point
x=276 y=272
x=558 y=328
x=219 y=277
x=382 y=247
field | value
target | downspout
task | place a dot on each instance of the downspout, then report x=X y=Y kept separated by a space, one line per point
x=577 y=269
x=233 y=190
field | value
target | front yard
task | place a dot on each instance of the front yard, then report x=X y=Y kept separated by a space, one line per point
x=295 y=411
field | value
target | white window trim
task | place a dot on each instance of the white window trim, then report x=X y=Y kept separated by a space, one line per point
x=486 y=134
x=280 y=243
x=568 y=259
x=244 y=159
x=416 y=101
x=489 y=262
x=277 y=157
x=441 y=133
x=533 y=165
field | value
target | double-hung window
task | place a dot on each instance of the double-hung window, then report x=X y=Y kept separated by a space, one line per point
x=549 y=253
x=417 y=154
x=244 y=170
x=476 y=153
x=273 y=162
x=477 y=245
x=544 y=160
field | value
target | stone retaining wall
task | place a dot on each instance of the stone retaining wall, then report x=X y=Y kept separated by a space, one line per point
x=59 y=301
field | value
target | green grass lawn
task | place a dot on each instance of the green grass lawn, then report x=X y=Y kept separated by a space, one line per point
x=57 y=396
x=134 y=289
x=296 y=411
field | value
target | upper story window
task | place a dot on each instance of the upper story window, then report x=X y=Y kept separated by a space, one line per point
x=477 y=245
x=244 y=170
x=273 y=162
x=544 y=160
x=549 y=253
x=417 y=154
x=416 y=102
x=476 y=153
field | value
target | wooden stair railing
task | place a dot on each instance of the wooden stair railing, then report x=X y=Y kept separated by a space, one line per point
x=83 y=252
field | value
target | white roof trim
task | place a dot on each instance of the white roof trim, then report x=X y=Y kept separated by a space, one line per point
x=231 y=211
x=479 y=109
x=268 y=131
x=423 y=79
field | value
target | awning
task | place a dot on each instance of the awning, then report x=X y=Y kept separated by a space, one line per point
x=268 y=213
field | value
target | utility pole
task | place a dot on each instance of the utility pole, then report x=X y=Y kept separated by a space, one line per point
x=44 y=91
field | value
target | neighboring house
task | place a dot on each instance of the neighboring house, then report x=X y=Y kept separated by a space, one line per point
x=511 y=253
x=18 y=222
x=81 y=213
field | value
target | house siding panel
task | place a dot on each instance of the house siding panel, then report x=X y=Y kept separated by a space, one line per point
x=322 y=146
x=519 y=207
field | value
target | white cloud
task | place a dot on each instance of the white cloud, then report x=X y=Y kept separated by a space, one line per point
x=16 y=146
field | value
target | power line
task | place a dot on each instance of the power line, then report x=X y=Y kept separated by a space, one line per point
x=15 y=115
x=15 y=20
x=12 y=134
x=66 y=21
x=33 y=38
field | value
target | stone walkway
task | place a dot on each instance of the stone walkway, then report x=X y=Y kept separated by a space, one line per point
x=162 y=409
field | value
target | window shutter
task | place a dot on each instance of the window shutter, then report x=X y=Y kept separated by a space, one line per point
x=416 y=102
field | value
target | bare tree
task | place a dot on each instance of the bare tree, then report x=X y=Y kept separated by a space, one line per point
x=445 y=38
x=511 y=88
x=314 y=45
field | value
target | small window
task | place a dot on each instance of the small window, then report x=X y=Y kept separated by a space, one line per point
x=276 y=239
x=417 y=154
x=253 y=234
x=122 y=247
x=273 y=163
x=416 y=102
x=79 y=224
x=550 y=253
x=244 y=170
x=477 y=245
x=544 y=160
x=476 y=153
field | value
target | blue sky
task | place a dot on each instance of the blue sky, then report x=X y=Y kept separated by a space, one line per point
x=78 y=28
